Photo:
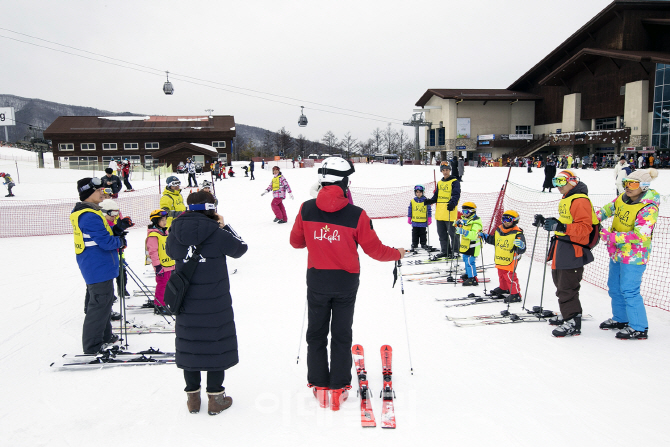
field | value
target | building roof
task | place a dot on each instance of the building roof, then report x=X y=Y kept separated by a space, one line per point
x=184 y=125
x=583 y=57
x=586 y=32
x=476 y=95
x=195 y=147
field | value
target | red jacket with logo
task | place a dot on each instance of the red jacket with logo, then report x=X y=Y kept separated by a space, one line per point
x=332 y=229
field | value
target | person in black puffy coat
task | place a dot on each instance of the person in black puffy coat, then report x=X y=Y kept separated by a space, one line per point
x=206 y=339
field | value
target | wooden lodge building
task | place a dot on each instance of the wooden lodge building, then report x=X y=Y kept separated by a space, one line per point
x=605 y=90
x=146 y=140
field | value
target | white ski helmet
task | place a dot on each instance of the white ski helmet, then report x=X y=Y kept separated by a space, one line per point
x=206 y=184
x=109 y=205
x=335 y=169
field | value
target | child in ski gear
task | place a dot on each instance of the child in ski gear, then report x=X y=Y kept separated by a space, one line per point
x=112 y=181
x=628 y=242
x=8 y=182
x=469 y=228
x=246 y=170
x=419 y=216
x=510 y=244
x=126 y=175
x=96 y=244
x=206 y=338
x=332 y=229
x=569 y=250
x=207 y=186
x=231 y=173
x=110 y=209
x=278 y=186
x=446 y=195
x=171 y=200
x=155 y=252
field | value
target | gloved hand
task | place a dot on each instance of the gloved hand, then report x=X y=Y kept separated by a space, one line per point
x=263 y=193
x=159 y=270
x=608 y=236
x=461 y=230
x=291 y=195
x=409 y=220
x=483 y=235
x=122 y=238
x=451 y=207
x=552 y=224
x=430 y=220
x=459 y=222
x=538 y=221
x=122 y=225
x=519 y=243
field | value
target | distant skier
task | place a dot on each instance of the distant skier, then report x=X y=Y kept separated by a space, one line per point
x=126 y=175
x=419 y=216
x=8 y=182
x=279 y=186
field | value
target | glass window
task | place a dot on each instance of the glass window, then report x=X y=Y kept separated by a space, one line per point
x=522 y=130
x=221 y=144
x=130 y=146
x=606 y=123
x=66 y=147
x=87 y=146
x=661 y=116
x=151 y=146
x=108 y=146
x=440 y=136
x=431 y=137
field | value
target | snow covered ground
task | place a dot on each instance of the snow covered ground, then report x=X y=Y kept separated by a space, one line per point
x=508 y=385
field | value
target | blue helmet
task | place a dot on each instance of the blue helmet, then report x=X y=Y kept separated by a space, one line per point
x=418 y=188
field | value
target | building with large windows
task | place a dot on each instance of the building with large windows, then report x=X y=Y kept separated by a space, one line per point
x=87 y=140
x=605 y=90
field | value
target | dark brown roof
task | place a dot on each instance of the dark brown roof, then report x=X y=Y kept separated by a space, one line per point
x=585 y=32
x=191 y=146
x=583 y=57
x=184 y=125
x=475 y=95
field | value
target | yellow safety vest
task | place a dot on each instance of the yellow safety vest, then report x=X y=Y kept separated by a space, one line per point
x=276 y=183
x=467 y=244
x=79 y=244
x=419 y=212
x=564 y=215
x=625 y=215
x=443 y=198
x=166 y=261
x=175 y=203
x=504 y=243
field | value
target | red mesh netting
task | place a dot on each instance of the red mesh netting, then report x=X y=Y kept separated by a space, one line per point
x=16 y=217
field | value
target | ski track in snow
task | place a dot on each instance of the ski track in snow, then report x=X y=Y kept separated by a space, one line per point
x=507 y=385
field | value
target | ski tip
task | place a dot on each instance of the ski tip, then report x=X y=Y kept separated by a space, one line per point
x=386 y=348
x=357 y=349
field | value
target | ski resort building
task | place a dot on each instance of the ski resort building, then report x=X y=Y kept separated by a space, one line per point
x=146 y=140
x=605 y=90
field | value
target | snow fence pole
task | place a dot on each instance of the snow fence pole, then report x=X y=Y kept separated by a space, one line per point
x=402 y=289
x=536 y=224
x=545 y=270
x=122 y=297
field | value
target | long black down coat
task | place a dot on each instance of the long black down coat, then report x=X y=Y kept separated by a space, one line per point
x=549 y=174
x=205 y=330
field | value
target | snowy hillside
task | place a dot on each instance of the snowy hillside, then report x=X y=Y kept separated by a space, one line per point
x=508 y=385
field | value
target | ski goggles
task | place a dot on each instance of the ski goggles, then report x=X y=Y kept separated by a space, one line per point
x=94 y=183
x=467 y=211
x=174 y=183
x=559 y=181
x=634 y=184
x=112 y=213
x=508 y=219
x=107 y=191
x=202 y=207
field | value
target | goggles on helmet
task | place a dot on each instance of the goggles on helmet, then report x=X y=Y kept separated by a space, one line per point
x=107 y=191
x=508 y=219
x=633 y=184
x=418 y=188
x=112 y=212
x=467 y=211
x=174 y=183
x=93 y=183
x=559 y=181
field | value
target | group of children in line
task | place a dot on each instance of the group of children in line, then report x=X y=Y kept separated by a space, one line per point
x=508 y=240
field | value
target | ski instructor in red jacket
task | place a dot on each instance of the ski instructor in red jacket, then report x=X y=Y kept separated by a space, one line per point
x=332 y=229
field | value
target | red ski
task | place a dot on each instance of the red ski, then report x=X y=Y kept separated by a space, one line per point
x=388 y=412
x=367 y=417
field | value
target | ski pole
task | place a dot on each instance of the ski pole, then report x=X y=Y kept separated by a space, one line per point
x=402 y=289
x=122 y=296
x=481 y=252
x=545 y=271
x=302 y=328
x=537 y=223
x=148 y=292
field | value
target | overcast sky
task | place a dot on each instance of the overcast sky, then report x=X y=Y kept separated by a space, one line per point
x=376 y=57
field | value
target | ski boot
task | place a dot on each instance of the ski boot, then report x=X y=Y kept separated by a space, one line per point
x=464 y=276
x=471 y=281
x=611 y=324
x=498 y=291
x=337 y=397
x=570 y=327
x=628 y=333
x=321 y=394
x=115 y=316
x=513 y=298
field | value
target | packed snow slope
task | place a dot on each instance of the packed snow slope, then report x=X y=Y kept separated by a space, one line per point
x=511 y=385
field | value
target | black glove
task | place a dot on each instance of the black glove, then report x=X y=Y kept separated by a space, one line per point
x=552 y=224
x=159 y=270
x=124 y=244
x=451 y=207
x=539 y=220
x=122 y=225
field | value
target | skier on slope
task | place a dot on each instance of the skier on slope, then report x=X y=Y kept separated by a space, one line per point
x=156 y=256
x=468 y=229
x=332 y=229
x=279 y=186
x=126 y=175
x=8 y=182
x=171 y=200
x=110 y=209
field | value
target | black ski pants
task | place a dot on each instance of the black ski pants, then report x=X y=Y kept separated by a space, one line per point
x=334 y=313
x=192 y=176
x=567 y=282
x=214 y=381
x=126 y=182
x=98 y=309
x=418 y=236
x=252 y=176
x=447 y=234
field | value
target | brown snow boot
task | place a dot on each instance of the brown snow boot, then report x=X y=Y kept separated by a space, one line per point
x=218 y=402
x=193 y=401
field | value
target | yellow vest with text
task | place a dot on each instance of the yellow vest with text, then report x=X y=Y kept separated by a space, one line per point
x=419 y=211
x=79 y=244
x=625 y=215
x=276 y=183
x=443 y=198
x=173 y=201
x=504 y=243
x=564 y=215
x=467 y=244
x=166 y=261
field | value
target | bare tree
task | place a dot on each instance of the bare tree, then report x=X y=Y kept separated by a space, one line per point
x=377 y=138
x=283 y=142
x=267 y=146
x=349 y=144
x=301 y=145
x=389 y=138
x=402 y=138
x=330 y=140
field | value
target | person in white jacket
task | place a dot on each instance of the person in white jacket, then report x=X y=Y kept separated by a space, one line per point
x=621 y=170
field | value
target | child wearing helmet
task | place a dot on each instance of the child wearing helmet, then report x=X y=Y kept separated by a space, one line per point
x=155 y=255
x=419 y=216
x=468 y=228
x=8 y=182
x=278 y=186
x=510 y=244
x=171 y=200
x=110 y=209
x=207 y=186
